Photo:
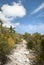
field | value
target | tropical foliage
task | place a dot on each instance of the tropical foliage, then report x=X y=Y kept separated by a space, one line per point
x=35 y=42
x=7 y=42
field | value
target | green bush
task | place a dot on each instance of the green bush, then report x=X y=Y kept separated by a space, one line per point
x=5 y=49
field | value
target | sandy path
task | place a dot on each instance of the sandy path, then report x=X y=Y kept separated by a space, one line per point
x=20 y=56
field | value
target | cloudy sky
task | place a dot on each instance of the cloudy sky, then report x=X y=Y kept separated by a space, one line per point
x=25 y=15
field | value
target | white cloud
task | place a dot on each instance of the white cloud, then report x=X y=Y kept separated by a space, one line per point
x=38 y=9
x=4 y=18
x=8 y=24
x=10 y=12
x=15 y=10
x=31 y=28
x=41 y=15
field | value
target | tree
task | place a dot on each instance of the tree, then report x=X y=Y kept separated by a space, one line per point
x=12 y=29
x=0 y=9
x=1 y=22
x=1 y=25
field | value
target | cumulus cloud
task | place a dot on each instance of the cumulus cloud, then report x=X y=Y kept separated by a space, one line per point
x=38 y=9
x=4 y=18
x=10 y=12
x=31 y=28
x=15 y=10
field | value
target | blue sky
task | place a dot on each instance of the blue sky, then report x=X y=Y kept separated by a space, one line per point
x=29 y=16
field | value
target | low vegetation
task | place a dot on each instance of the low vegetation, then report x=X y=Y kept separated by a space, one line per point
x=35 y=42
x=8 y=39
